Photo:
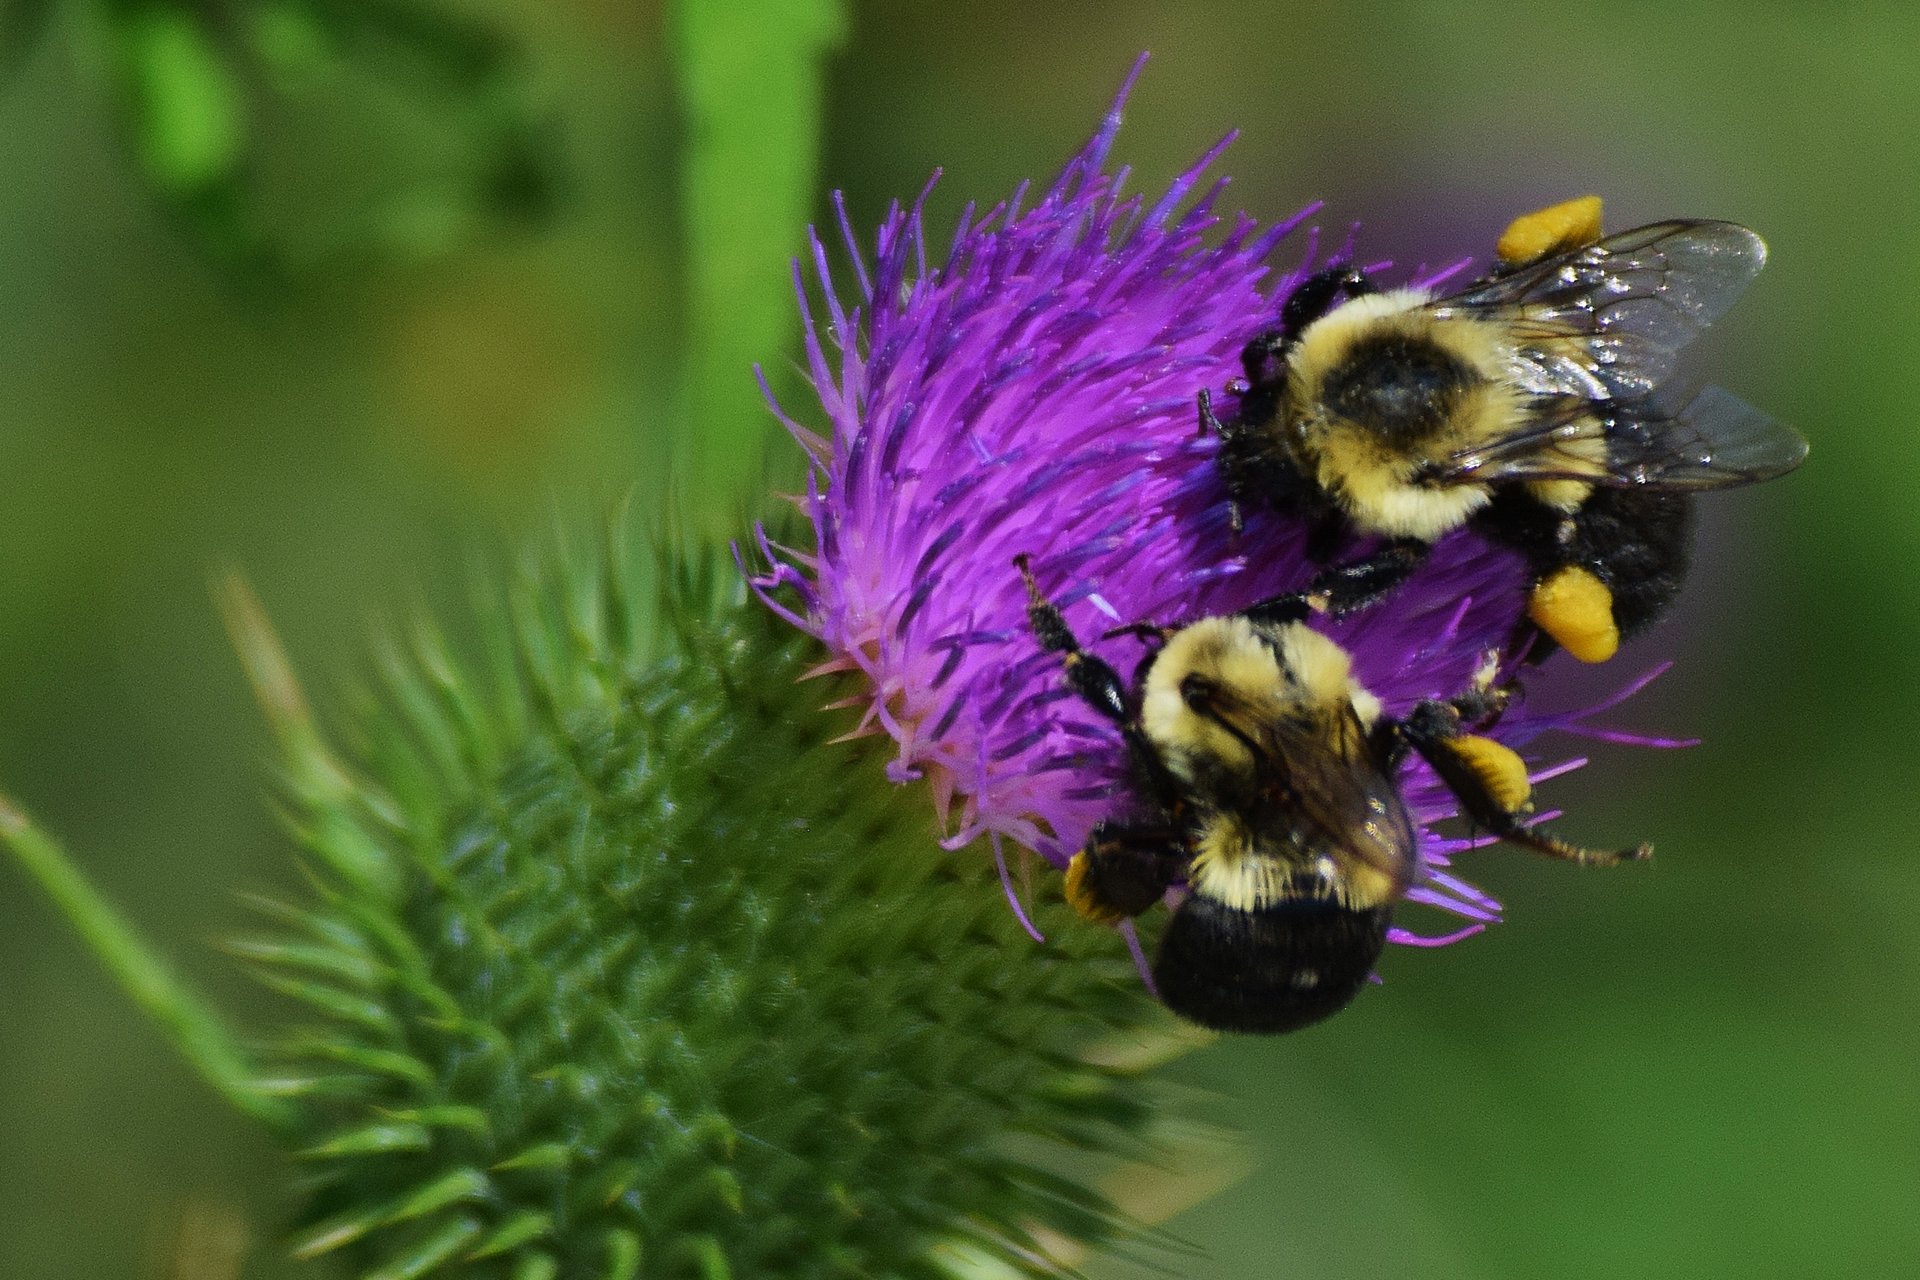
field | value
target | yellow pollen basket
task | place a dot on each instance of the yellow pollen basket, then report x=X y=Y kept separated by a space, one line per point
x=1080 y=895
x=1554 y=229
x=1500 y=770
x=1576 y=609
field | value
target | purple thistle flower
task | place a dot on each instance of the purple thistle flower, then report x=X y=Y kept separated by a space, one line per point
x=1033 y=391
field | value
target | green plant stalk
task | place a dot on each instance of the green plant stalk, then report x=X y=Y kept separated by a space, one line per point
x=750 y=83
x=194 y=1030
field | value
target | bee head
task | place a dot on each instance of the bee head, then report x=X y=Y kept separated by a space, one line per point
x=1279 y=968
x=1210 y=694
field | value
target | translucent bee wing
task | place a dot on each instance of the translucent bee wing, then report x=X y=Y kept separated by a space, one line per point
x=1541 y=447
x=1714 y=441
x=1608 y=320
x=1333 y=789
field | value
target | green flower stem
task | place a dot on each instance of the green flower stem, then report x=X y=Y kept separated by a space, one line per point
x=199 y=1035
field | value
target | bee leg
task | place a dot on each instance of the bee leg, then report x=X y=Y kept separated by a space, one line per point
x=1635 y=542
x=1485 y=702
x=1209 y=421
x=1123 y=870
x=1490 y=781
x=1295 y=606
x=1145 y=632
x=1315 y=296
x=1095 y=681
x=1229 y=439
x=1262 y=354
x=1098 y=684
x=1348 y=587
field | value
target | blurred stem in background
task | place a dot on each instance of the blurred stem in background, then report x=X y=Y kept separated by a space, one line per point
x=751 y=81
x=196 y=1033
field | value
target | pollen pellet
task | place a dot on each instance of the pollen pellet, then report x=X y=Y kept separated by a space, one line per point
x=1554 y=229
x=1082 y=898
x=1576 y=609
x=1499 y=769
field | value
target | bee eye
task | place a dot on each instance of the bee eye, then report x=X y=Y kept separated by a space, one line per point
x=1198 y=692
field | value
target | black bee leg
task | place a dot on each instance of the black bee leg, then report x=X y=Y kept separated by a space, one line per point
x=1098 y=684
x=1484 y=703
x=1229 y=434
x=1295 y=606
x=1087 y=675
x=1318 y=294
x=1209 y=421
x=1146 y=632
x=1490 y=781
x=1123 y=870
x=1617 y=564
x=1348 y=587
x=1261 y=356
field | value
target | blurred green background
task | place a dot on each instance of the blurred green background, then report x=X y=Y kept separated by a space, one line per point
x=429 y=290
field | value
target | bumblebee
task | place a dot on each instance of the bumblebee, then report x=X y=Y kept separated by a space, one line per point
x=1528 y=404
x=1265 y=776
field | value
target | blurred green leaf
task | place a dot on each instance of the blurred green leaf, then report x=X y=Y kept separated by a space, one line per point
x=201 y=1037
x=22 y=23
x=452 y=54
x=293 y=134
x=189 y=121
x=293 y=45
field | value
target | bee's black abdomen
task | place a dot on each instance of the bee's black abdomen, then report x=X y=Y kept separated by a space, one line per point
x=1639 y=542
x=1279 y=969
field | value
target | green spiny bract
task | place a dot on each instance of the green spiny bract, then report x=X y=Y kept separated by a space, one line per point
x=618 y=966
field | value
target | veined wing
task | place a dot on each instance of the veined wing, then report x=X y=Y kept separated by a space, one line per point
x=1326 y=779
x=1608 y=320
x=1713 y=441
